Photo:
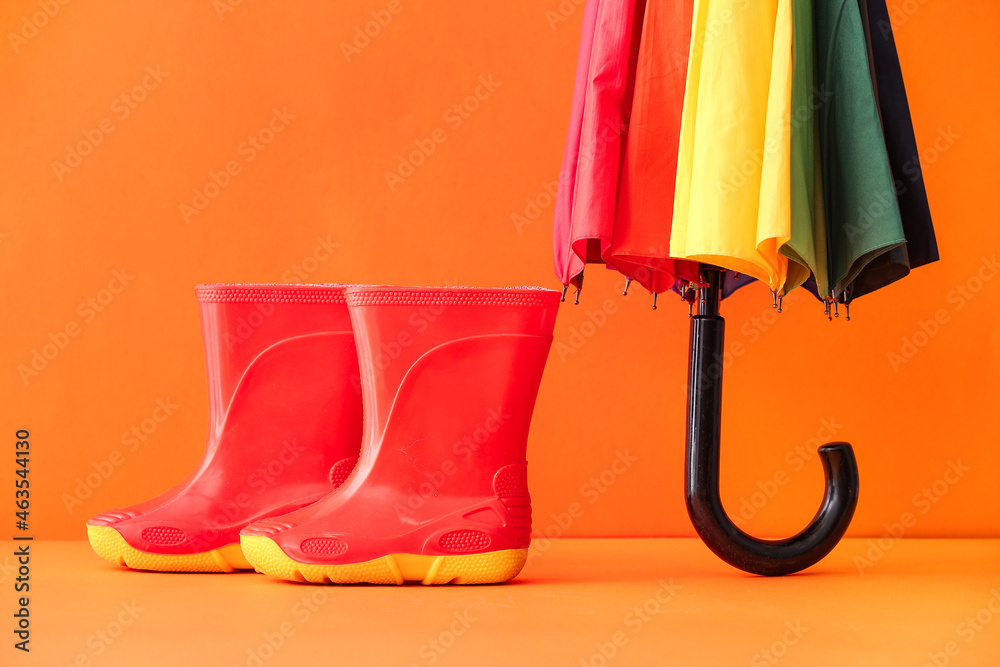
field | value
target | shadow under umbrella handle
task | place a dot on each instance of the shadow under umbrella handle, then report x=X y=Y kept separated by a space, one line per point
x=723 y=537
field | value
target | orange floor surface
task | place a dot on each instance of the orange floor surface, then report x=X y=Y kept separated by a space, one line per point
x=578 y=602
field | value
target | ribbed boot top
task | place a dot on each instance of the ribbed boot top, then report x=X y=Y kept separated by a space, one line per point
x=269 y=293
x=450 y=296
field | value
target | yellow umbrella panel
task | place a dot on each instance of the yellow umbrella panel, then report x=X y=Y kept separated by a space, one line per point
x=732 y=197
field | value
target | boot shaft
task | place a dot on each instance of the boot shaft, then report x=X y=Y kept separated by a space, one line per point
x=450 y=377
x=240 y=321
x=395 y=327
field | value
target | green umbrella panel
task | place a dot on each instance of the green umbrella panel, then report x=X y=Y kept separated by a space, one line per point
x=861 y=210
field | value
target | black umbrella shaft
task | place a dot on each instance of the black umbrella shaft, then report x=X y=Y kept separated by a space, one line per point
x=704 y=422
x=702 y=466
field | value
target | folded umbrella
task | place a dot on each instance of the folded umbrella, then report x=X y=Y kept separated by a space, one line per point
x=782 y=174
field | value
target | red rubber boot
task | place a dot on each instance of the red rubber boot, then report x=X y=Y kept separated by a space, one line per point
x=440 y=493
x=284 y=428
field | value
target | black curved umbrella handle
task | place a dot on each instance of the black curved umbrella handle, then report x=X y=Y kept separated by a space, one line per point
x=766 y=557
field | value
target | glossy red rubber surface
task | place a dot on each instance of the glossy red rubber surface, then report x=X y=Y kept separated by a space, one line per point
x=450 y=377
x=284 y=410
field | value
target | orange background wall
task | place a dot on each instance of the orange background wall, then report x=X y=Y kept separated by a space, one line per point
x=314 y=205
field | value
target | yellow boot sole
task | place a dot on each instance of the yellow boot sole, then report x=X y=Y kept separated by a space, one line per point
x=112 y=547
x=487 y=568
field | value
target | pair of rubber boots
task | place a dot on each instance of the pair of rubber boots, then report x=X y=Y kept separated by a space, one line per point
x=430 y=485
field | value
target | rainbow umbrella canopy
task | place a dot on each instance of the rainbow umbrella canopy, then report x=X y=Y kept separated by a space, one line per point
x=716 y=142
x=776 y=144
